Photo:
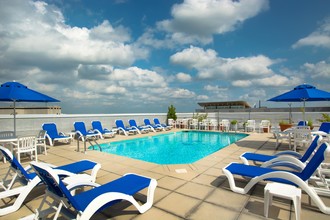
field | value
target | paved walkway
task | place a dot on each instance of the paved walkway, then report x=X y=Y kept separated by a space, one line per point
x=192 y=191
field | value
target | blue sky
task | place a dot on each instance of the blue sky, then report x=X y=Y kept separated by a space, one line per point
x=132 y=56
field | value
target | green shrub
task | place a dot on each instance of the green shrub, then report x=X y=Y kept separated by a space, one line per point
x=171 y=113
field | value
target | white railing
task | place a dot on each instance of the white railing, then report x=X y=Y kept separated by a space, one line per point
x=31 y=124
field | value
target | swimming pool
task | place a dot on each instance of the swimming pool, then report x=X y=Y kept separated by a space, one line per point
x=172 y=148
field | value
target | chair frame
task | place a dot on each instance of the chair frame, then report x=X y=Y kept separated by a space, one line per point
x=287 y=158
x=63 y=198
x=293 y=178
x=301 y=134
x=60 y=136
x=264 y=124
x=250 y=124
x=225 y=125
x=41 y=140
x=154 y=128
x=18 y=182
x=27 y=144
x=140 y=129
x=164 y=126
x=125 y=130
x=83 y=134
x=104 y=132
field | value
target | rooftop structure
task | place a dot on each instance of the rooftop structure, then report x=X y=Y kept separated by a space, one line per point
x=225 y=105
x=31 y=110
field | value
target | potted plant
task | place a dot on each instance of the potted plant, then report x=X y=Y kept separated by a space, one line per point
x=325 y=118
x=310 y=124
x=284 y=125
x=233 y=125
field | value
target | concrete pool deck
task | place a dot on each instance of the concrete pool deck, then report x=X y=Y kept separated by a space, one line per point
x=193 y=191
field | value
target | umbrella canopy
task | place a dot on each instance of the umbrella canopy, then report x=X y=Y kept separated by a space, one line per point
x=303 y=93
x=17 y=92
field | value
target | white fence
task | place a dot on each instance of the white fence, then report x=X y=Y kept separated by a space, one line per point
x=31 y=124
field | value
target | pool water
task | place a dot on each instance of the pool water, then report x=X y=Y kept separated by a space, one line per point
x=172 y=148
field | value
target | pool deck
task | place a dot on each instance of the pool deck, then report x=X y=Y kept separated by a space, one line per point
x=192 y=191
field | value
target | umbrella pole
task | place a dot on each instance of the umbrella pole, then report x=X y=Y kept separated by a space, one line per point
x=14 y=117
x=304 y=111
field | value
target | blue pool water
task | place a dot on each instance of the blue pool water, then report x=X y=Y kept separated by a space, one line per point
x=172 y=148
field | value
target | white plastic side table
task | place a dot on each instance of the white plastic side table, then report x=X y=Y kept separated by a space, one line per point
x=283 y=191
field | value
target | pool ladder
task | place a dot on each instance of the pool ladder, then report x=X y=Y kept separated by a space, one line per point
x=90 y=140
x=97 y=144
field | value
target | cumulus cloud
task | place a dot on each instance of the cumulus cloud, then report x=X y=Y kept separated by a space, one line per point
x=210 y=66
x=318 y=70
x=198 y=20
x=35 y=34
x=137 y=77
x=183 y=93
x=183 y=77
x=214 y=88
x=271 y=81
x=202 y=97
x=254 y=94
x=319 y=38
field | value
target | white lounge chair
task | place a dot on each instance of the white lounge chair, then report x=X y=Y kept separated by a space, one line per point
x=104 y=132
x=125 y=130
x=85 y=204
x=19 y=182
x=140 y=129
x=53 y=135
x=157 y=123
x=257 y=174
x=82 y=132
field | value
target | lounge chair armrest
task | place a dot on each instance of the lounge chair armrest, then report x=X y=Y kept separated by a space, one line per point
x=62 y=134
x=285 y=164
x=81 y=183
x=321 y=133
x=282 y=160
x=289 y=153
x=47 y=164
x=62 y=173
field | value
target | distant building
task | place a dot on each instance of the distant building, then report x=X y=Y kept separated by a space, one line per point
x=224 y=105
x=31 y=110
x=242 y=106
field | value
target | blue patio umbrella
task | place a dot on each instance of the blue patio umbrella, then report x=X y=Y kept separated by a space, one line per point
x=17 y=92
x=303 y=93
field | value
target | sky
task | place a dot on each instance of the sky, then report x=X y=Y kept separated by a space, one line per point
x=141 y=56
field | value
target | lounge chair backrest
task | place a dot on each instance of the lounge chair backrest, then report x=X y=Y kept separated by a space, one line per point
x=156 y=121
x=120 y=124
x=14 y=163
x=97 y=125
x=132 y=123
x=315 y=162
x=302 y=123
x=54 y=183
x=325 y=127
x=146 y=121
x=51 y=129
x=311 y=149
x=80 y=126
